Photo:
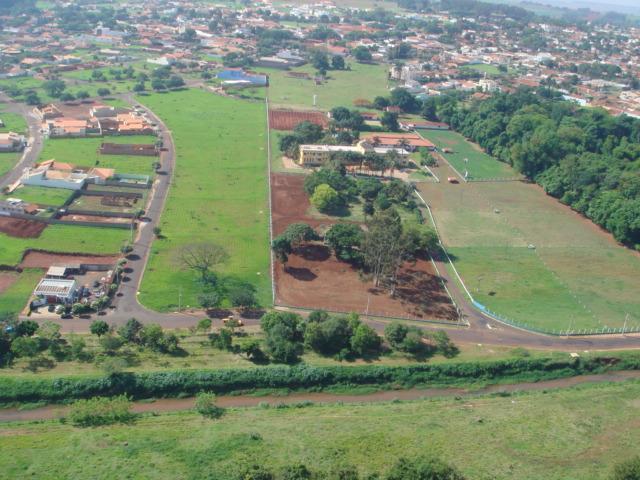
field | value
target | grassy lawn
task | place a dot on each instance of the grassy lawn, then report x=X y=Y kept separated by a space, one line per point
x=84 y=152
x=484 y=68
x=576 y=275
x=13 y=123
x=343 y=87
x=42 y=196
x=219 y=194
x=569 y=434
x=65 y=239
x=14 y=299
x=479 y=166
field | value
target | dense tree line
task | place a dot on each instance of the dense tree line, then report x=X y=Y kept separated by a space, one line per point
x=585 y=157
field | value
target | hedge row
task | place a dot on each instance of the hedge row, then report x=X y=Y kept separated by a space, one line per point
x=189 y=382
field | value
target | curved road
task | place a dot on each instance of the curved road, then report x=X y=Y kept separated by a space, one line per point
x=481 y=330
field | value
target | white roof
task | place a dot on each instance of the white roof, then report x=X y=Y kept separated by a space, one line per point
x=57 y=271
x=55 y=287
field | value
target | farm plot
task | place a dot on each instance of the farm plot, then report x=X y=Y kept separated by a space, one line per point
x=315 y=279
x=20 y=228
x=289 y=119
x=468 y=157
x=219 y=194
x=533 y=260
x=83 y=152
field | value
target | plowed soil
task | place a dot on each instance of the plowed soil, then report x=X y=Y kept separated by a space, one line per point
x=17 y=227
x=36 y=259
x=288 y=119
x=6 y=280
x=314 y=278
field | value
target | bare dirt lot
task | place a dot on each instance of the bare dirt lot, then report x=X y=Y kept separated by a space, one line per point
x=35 y=259
x=6 y=280
x=17 y=227
x=94 y=218
x=314 y=278
x=288 y=119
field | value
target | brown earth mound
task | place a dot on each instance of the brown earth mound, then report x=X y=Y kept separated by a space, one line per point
x=17 y=227
x=288 y=119
x=315 y=279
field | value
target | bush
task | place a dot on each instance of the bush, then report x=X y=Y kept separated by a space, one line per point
x=629 y=470
x=206 y=405
x=422 y=469
x=101 y=411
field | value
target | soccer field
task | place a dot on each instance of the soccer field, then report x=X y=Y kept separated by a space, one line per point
x=218 y=194
x=530 y=259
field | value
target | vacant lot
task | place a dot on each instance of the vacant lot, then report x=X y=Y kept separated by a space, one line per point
x=43 y=196
x=479 y=164
x=565 y=434
x=14 y=298
x=12 y=123
x=289 y=119
x=219 y=194
x=529 y=258
x=314 y=278
x=18 y=227
x=84 y=152
x=342 y=88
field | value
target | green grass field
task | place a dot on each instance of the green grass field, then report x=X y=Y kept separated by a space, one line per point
x=219 y=194
x=576 y=277
x=484 y=68
x=54 y=197
x=14 y=299
x=12 y=123
x=84 y=152
x=479 y=166
x=569 y=434
x=64 y=239
x=343 y=87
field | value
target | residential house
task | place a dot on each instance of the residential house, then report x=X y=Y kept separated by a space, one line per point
x=12 y=142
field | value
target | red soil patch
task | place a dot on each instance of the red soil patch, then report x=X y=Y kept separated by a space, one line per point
x=17 y=227
x=35 y=259
x=94 y=218
x=314 y=278
x=6 y=280
x=288 y=119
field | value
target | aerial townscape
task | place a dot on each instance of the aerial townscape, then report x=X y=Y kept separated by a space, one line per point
x=320 y=239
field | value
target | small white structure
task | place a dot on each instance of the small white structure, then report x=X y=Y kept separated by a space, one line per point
x=11 y=205
x=55 y=290
x=12 y=142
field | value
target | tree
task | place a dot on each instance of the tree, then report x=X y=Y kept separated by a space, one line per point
x=243 y=296
x=403 y=99
x=130 y=331
x=32 y=98
x=175 y=81
x=151 y=336
x=103 y=92
x=365 y=341
x=422 y=469
x=326 y=199
x=26 y=328
x=380 y=103
x=206 y=405
x=99 y=328
x=383 y=247
x=329 y=337
x=204 y=325
x=158 y=84
x=345 y=239
x=283 y=336
x=202 y=257
x=25 y=347
x=110 y=344
x=362 y=54
x=337 y=62
x=251 y=349
x=139 y=87
x=281 y=247
x=320 y=61
x=627 y=470
x=298 y=233
x=395 y=333
x=209 y=300
x=54 y=88
x=389 y=121
x=222 y=340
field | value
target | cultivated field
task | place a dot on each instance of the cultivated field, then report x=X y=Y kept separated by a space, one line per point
x=314 y=278
x=289 y=119
x=83 y=152
x=219 y=194
x=362 y=81
x=581 y=432
x=479 y=165
x=576 y=276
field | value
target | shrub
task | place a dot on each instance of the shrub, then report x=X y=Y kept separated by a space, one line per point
x=206 y=405
x=101 y=411
x=628 y=470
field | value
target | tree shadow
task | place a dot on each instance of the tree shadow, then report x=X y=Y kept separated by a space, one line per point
x=313 y=252
x=302 y=274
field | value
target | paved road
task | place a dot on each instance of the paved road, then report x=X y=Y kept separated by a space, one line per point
x=32 y=151
x=481 y=329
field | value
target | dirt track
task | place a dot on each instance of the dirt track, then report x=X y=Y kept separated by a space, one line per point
x=315 y=279
x=17 y=227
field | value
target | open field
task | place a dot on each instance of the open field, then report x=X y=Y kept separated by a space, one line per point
x=573 y=433
x=64 y=239
x=362 y=81
x=42 y=195
x=314 y=278
x=288 y=119
x=13 y=123
x=576 y=276
x=84 y=152
x=479 y=166
x=219 y=194
x=14 y=298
